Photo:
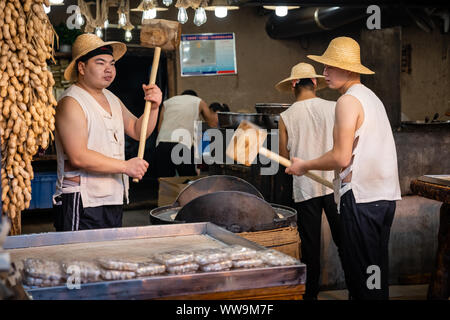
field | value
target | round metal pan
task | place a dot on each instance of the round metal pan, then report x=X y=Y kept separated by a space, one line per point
x=213 y=208
x=236 y=211
x=212 y=184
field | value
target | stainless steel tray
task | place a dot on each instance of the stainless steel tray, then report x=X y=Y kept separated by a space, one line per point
x=137 y=242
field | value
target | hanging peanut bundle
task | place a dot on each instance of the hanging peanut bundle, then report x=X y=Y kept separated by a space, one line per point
x=27 y=103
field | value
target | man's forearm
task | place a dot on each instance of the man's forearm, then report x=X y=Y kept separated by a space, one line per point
x=93 y=161
x=326 y=162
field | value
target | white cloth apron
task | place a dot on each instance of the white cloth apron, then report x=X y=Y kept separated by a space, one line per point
x=309 y=125
x=374 y=168
x=106 y=136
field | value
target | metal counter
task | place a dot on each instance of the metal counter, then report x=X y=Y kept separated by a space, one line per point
x=137 y=243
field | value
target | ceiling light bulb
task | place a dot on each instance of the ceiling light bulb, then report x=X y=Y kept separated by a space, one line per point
x=106 y=24
x=182 y=15
x=79 y=20
x=281 y=11
x=200 y=17
x=128 y=35
x=98 y=32
x=46 y=9
x=167 y=2
x=122 y=20
x=221 y=12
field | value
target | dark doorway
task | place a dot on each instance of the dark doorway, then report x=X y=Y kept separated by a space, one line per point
x=133 y=70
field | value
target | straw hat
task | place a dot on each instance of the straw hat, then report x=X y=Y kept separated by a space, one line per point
x=86 y=43
x=343 y=53
x=301 y=71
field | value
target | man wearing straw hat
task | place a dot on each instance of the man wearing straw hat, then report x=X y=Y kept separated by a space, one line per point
x=306 y=131
x=90 y=126
x=364 y=158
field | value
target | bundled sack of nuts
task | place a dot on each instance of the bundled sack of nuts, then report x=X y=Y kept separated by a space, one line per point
x=243 y=257
x=87 y=271
x=150 y=268
x=27 y=104
x=274 y=258
x=177 y=261
x=213 y=260
x=117 y=269
x=42 y=273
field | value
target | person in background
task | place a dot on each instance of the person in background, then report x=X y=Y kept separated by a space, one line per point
x=364 y=158
x=176 y=130
x=91 y=121
x=306 y=131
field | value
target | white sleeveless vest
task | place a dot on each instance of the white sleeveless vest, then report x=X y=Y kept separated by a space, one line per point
x=374 y=169
x=180 y=112
x=309 y=125
x=106 y=136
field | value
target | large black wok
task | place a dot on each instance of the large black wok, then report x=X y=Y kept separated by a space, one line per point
x=271 y=108
x=231 y=120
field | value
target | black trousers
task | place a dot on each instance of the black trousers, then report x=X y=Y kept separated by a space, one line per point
x=364 y=246
x=309 y=217
x=70 y=215
x=164 y=166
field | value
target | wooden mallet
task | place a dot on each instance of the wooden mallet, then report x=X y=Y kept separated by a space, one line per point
x=248 y=141
x=158 y=34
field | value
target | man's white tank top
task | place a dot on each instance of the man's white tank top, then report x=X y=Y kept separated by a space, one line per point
x=106 y=136
x=374 y=169
x=180 y=112
x=309 y=125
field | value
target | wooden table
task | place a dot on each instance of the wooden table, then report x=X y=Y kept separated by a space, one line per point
x=139 y=243
x=438 y=189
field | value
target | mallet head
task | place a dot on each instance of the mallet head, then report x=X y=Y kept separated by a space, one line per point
x=246 y=142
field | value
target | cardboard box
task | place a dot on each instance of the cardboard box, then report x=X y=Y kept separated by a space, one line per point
x=170 y=187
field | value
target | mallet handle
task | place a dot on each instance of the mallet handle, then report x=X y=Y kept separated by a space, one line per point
x=148 y=107
x=287 y=163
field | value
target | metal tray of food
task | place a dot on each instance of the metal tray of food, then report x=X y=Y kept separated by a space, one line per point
x=136 y=243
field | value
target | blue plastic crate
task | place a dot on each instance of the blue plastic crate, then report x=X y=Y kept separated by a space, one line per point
x=43 y=187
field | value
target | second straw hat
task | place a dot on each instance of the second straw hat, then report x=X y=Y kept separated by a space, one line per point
x=300 y=71
x=343 y=53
